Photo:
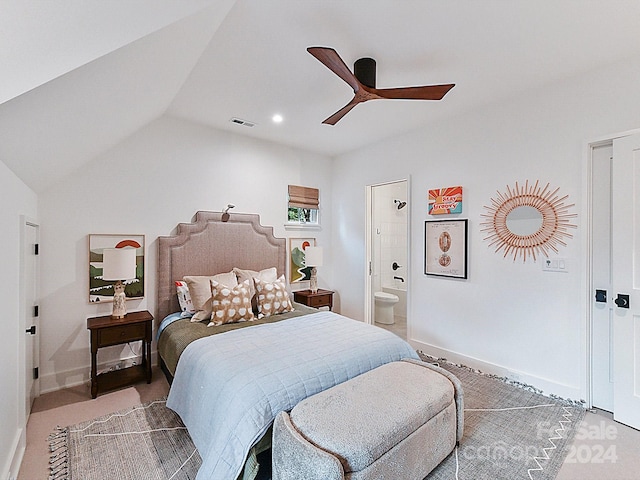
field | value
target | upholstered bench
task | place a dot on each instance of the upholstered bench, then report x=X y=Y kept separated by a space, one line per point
x=396 y=422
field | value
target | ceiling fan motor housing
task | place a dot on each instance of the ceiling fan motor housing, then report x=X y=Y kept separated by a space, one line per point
x=365 y=71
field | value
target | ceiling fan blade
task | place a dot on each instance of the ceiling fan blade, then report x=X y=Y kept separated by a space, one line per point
x=330 y=58
x=429 y=92
x=333 y=119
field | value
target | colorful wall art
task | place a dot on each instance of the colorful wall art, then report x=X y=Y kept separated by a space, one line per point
x=101 y=291
x=298 y=271
x=445 y=200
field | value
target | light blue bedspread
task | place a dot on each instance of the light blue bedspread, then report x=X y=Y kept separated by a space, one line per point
x=229 y=387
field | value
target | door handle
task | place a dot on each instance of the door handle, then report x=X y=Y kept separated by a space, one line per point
x=601 y=296
x=31 y=330
x=622 y=301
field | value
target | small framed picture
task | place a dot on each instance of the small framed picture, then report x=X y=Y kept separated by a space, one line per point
x=299 y=273
x=445 y=248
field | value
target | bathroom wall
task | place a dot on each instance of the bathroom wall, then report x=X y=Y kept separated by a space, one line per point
x=390 y=244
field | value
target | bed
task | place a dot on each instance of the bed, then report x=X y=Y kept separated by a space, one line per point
x=228 y=383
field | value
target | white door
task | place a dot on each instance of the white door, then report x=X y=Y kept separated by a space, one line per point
x=31 y=327
x=602 y=305
x=626 y=279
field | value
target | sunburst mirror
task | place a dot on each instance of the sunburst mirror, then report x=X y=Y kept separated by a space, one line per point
x=528 y=221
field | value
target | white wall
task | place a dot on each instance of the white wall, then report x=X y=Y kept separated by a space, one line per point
x=506 y=315
x=149 y=183
x=17 y=199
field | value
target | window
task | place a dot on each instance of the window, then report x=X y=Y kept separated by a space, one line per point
x=303 y=205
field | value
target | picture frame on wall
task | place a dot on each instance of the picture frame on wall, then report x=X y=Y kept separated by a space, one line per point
x=101 y=291
x=299 y=273
x=446 y=248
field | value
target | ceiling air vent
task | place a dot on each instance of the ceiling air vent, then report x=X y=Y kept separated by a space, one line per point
x=239 y=121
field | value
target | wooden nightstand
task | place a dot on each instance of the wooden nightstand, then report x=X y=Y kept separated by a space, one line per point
x=107 y=331
x=324 y=298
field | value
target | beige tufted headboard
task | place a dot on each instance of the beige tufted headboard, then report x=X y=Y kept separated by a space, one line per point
x=208 y=246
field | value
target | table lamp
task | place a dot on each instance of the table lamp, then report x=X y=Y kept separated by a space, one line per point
x=119 y=264
x=313 y=259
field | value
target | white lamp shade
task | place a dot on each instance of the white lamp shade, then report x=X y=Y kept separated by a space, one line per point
x=118 y=263
x=313 y=256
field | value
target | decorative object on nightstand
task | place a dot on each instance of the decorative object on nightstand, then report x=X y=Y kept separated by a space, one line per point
x=321 y=298
x=107 y=331
x=313 y=259
x=119 y=264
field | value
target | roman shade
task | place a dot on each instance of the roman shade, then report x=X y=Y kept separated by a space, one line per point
x=303 y=197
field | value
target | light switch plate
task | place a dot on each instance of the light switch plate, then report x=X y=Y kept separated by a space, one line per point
x=555 y=264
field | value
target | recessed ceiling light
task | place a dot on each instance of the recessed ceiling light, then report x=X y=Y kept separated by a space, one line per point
x=277 y=118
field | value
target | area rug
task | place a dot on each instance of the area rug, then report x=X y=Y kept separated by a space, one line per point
x=146 y=442
x=511 y=432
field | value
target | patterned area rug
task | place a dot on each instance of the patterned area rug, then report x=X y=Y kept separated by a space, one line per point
x=145 y=442
x=511 y=432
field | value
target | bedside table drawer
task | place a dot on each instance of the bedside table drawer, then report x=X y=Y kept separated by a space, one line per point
x=121 y=334
x=320 y=300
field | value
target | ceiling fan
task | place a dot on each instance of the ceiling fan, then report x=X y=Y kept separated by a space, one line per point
x=363 y=82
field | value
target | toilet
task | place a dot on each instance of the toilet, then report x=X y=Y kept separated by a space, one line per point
x=384 y=303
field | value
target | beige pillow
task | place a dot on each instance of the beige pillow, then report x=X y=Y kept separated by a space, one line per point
x=273 y=297
x=200 y=292
x=266 y=275
x=230 y=305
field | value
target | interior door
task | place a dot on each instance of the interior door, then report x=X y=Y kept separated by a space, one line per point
x=602 y=306
x=31 y=327
x=626 y=279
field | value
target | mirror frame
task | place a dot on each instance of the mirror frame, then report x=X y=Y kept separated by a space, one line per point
x=551 y=234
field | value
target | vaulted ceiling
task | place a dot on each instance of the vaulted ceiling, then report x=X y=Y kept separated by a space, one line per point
x=79 y=76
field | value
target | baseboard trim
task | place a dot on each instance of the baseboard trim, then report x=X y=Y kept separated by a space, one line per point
x=548 y=387
x=16 y=453
x=52 y=382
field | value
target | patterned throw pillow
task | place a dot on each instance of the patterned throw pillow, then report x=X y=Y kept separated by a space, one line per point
x=184 y=298
x=230 y=305
x=267 y=275
x=200 y=292
x=273 y=297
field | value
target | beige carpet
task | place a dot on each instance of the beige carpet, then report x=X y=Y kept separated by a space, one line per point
x=74 y=405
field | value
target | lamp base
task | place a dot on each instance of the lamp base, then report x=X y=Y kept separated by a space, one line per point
x=313 y=281
x=119 y=301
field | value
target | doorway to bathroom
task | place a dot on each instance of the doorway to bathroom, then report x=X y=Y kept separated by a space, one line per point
x=387 y=251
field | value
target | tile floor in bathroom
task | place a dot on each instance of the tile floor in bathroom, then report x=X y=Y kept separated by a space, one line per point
x=399 y=327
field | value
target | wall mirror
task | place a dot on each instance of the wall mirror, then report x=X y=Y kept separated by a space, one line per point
x=528 y=221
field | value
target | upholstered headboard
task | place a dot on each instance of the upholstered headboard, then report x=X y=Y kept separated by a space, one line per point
x=208 y=246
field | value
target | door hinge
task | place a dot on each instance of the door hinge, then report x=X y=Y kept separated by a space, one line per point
x=36 y=311
x=31 y=330
x=370 y=268
x=36 y=373
x=36 y=249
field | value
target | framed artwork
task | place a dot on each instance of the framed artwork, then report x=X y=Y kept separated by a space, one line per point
x=101 y=291
x=445 y=201
x=298 y=271
x=445 y=248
